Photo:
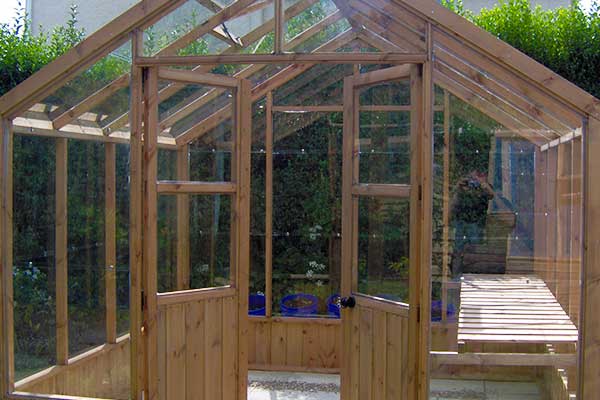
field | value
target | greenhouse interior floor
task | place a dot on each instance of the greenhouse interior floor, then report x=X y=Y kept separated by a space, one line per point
x=303 y=386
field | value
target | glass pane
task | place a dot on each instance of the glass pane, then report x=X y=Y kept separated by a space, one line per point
x=318 y=86
x=257 y=299
x=189 y=111
x=122 y=231
x=108 y=76
x=383 y=247
x=306 y=213
x=507 y=224
x=33 y=255
x=86 y=267
x=299 y=38
x=192 y=29
x=384 y=147
x=209 y=242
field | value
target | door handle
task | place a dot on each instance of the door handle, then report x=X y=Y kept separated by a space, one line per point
x=348 y=302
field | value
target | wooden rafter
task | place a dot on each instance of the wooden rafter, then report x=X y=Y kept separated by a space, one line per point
x=193 y=105
x=251 y=37
x=261 y=90
x=481 y=104
x=506 y=55
x=106 y=39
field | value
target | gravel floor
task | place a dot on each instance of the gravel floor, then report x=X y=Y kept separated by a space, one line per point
x=300 y=386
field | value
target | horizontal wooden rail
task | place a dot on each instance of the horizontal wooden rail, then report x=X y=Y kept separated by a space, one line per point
x=323 y=58
x=186 y=296
x=393 y=307
x=72 y=362
x=207 y=79
x=299 y=320
x=188 y=187
x=381 y=190
x=36 y=396
x=440 y=358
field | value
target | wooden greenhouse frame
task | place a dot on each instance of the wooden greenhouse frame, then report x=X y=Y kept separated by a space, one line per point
x=417 y=41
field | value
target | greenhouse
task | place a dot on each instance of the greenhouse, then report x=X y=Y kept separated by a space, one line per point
x=371 y=188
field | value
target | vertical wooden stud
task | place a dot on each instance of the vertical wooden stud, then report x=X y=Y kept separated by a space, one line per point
x=61 y=257
x=540 y=220
x=416 y=91
x=576 y=231
x=346 y=281
x=425 y=151
x=110 y=242
x=589 y=385
x=244 y=130
x=7 y=377
x=446 y=207
x=269 y=206
x=136 y=206
x=183 y=222
x=279 y=26
x=150 y=226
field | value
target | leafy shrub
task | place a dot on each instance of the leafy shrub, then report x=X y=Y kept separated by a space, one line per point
x=566 y=40
x=22 y=53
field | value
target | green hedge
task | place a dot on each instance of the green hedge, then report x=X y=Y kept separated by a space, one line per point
x=566 y=40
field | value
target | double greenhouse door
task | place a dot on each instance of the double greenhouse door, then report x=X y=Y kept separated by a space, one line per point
x=384 y=341
x=195 y=250
x=194 y=328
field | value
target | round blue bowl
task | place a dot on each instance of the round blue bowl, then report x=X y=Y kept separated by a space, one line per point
x=333 y=305
x=307 y=310
x=256 y=304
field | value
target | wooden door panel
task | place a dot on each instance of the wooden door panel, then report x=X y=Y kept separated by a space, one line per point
x=197 y=345
x=381 y=349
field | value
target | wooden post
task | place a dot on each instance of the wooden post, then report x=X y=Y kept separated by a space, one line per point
x=446 y=207
x=6 y=248
x=576 y=232
x=348 y=385
x=244 y=175
x=269 y=206
x=279 y=26
x=136 y=206
x=183 y=222
x=416 y=100
x=61 y=257
x=425 y=151
x=540 y=220
x=110 y=240
x=150 y=170
x=589 y=385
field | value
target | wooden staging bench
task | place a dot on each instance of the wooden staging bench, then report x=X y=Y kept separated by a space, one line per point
x=511 y=309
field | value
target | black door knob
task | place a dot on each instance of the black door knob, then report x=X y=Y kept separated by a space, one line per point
x=348 y=302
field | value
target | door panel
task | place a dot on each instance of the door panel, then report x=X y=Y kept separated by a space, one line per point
x=197 y=346
x=380 y=253
x=199 y=292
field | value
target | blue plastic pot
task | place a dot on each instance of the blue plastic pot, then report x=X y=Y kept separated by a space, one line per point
x=333 y=305
x=436 y=308
x=308 y=310
x=256 y=304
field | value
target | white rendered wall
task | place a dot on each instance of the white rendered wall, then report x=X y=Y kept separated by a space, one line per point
x=93 y=14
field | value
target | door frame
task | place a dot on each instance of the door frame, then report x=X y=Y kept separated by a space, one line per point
x=420 y=220
x=144 y=164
